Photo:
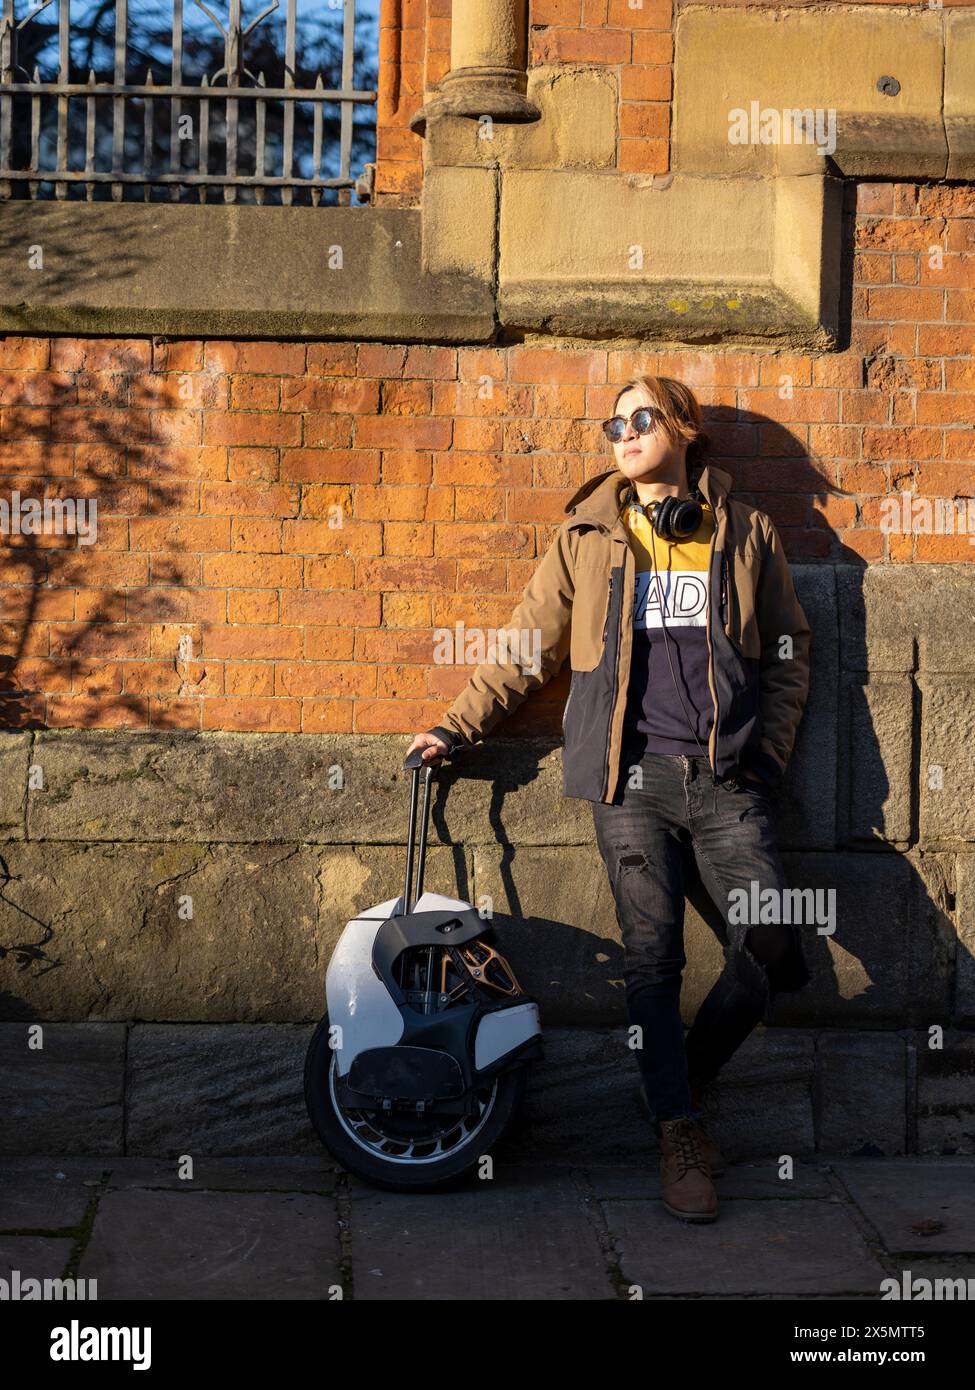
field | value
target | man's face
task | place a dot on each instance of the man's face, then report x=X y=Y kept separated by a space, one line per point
x=641 y=457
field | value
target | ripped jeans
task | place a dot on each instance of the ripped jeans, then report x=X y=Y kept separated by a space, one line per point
x=680 y=835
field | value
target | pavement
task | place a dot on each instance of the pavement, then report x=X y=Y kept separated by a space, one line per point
x=287 y=1227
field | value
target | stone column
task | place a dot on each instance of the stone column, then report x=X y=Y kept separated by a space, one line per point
x=487 y=77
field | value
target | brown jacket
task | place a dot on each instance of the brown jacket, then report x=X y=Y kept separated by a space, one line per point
x=578 y=604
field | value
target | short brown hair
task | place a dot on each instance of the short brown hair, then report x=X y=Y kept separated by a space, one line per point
x=681 y=413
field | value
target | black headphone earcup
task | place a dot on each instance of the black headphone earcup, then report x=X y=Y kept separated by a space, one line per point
x=686 y=518
x=662 y=518
x=675 y=519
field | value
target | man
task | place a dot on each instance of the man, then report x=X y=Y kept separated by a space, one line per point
x=689 y=655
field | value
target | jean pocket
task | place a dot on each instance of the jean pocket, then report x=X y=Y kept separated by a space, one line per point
x=751 y=789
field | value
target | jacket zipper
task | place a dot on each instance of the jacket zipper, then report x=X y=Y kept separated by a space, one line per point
x=725 y=614
x=609 y=605
x=713 y=683
x=612 y=703
x=616 y=660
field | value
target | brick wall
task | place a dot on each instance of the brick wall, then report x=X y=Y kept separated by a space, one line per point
x=221 y=595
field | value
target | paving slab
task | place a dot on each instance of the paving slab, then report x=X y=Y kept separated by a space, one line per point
x=47 y=1194
x=917 y=1205
x=750 y=1180
x=284 y=1174
x=65 y=1097
x=527 y=1233
x=214 y=1245
x=755 y=1247
x=34 y=1257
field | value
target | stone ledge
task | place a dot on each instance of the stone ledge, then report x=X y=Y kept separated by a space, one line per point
x=190 y=271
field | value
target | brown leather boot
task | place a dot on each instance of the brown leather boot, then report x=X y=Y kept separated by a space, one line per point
x=712 y=1154
x=685 y=1180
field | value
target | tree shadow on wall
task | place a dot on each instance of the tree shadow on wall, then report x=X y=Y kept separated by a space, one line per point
x=72 y=433
x=89 y=633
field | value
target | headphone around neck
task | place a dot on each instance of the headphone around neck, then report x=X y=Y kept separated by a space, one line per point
x=673 y=518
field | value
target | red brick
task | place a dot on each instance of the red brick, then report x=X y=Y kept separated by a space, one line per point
x=249 y=499
x=644 y=156
x=549 y=365
x=333 y=679
x=327 y=431
x=332 y=359
x=268 y=716
x=252 y=571
x=249 y=678
x=330 y=394
x=101 y=354
x=245 y=643
x=360 y=609
x=380 y=432
x=227 y=427
x=378 y=361
x=257 y=535
x=109 y=640
x=648 y=120
x=25 y=354
x=180 y=533
x=253 y=465
x=160 y=463
x=326 y=716
x=259 y=606
x=255 y=393
x=168 y=713
x=330 y=465
x=278 y=359
x=555 y=45
x=81 y=711
x=329 y=644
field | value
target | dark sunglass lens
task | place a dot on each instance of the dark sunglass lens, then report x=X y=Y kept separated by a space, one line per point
x=615 y=428
x=643 y=420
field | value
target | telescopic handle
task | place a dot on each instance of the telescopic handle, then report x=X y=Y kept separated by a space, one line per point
x=414 y=762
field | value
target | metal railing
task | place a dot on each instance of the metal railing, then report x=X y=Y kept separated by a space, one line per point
x=218 y=120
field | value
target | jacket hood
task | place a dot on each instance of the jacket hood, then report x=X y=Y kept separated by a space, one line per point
x=600 y=500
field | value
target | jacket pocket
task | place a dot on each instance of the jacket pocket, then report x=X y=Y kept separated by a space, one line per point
x=742 y=624
x=590 y=615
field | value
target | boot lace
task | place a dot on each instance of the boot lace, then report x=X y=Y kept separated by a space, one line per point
x=684 y=1134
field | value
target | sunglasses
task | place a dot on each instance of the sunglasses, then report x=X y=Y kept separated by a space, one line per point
x=643 y=421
